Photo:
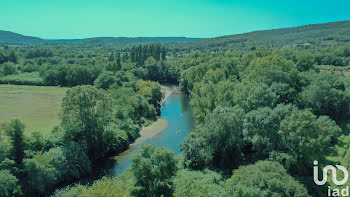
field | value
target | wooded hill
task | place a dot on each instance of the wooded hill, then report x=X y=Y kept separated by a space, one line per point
x=314 y=34
x=7 y=37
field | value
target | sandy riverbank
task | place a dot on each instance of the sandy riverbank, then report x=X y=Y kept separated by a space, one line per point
x=168 y=90
x=155 y=128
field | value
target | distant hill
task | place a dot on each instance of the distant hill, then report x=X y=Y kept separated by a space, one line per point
x=126 y=41
x=8 y=37
x=315 y=34
x=18 y=39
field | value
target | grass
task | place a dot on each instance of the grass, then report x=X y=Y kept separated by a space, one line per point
x=36 y=106
x=23 y=79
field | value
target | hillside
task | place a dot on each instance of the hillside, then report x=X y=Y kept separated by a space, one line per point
x=314 y=34
x=14 y=38
x=8 y=37
x=125 y=41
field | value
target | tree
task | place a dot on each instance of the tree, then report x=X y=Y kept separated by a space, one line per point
x=85 y=111
x=77 y=161
x=261 y=127
x=305 y=138
x=104 y=80
x=9 y=68
x=4 y=147
x=152 y=91
x=163 y=53
x=153 y=69
x=120 y=186
x=9 y=165
x=14 y=130
x=125 y=57
x=112 y=67
x=119 y=66
x=211 y=92
x=111 y=57
x=198 y=183
x=8 y=184
x=40 y=174
x=8 y=56
x=305 y=61
x=273 y=68
x=326 y=95
x=114 y=139
x=40 y=52
x=218 y=142
x=153 y=169
x=251 y=96
x=106 y=187
x=264 y=178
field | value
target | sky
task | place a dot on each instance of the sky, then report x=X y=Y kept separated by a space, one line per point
x=70 y=19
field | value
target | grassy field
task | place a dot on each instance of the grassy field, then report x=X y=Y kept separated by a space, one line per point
x=32 y=78
x=36 y=106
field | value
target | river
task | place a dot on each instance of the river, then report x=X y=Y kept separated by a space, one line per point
x=177 y=111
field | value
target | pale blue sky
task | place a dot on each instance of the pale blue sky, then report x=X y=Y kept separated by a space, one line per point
x=55 y=19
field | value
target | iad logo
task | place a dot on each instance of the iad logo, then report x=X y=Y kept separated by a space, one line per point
x=334 y=174
x=334 y=192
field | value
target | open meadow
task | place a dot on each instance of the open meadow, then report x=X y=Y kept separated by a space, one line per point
x=37 y=106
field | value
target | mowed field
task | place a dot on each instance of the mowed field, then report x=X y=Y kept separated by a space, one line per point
x=37 y=106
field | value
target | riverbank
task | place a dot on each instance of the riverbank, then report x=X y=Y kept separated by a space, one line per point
x=152 y=130
x=146 y=132
x=168 y=91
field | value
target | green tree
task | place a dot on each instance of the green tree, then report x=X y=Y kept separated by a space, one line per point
x=8 y=184
x=261 y=127
x=111 y=57
x=306 y=138
x=114 y=139
x=40 y=174
x=326 y=95
x=120 y=186
x=111 y=66
x=197 y=183
x=9 y=165
x=151 y=91
x=211 y=92
x=76 y=161
x=305 y=61
x=251 y=96
x=85 y=111
x=218 y=142
x=14 y=130
x=264 y=178
x=273 y=68
x=105 y=80
x=117 y=187
x=153 y=69
x=154 y=169
x=9 y=68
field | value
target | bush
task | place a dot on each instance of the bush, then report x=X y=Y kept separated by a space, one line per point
x=9 y=68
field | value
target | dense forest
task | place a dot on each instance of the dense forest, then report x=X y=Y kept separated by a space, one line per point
x=266 y=105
